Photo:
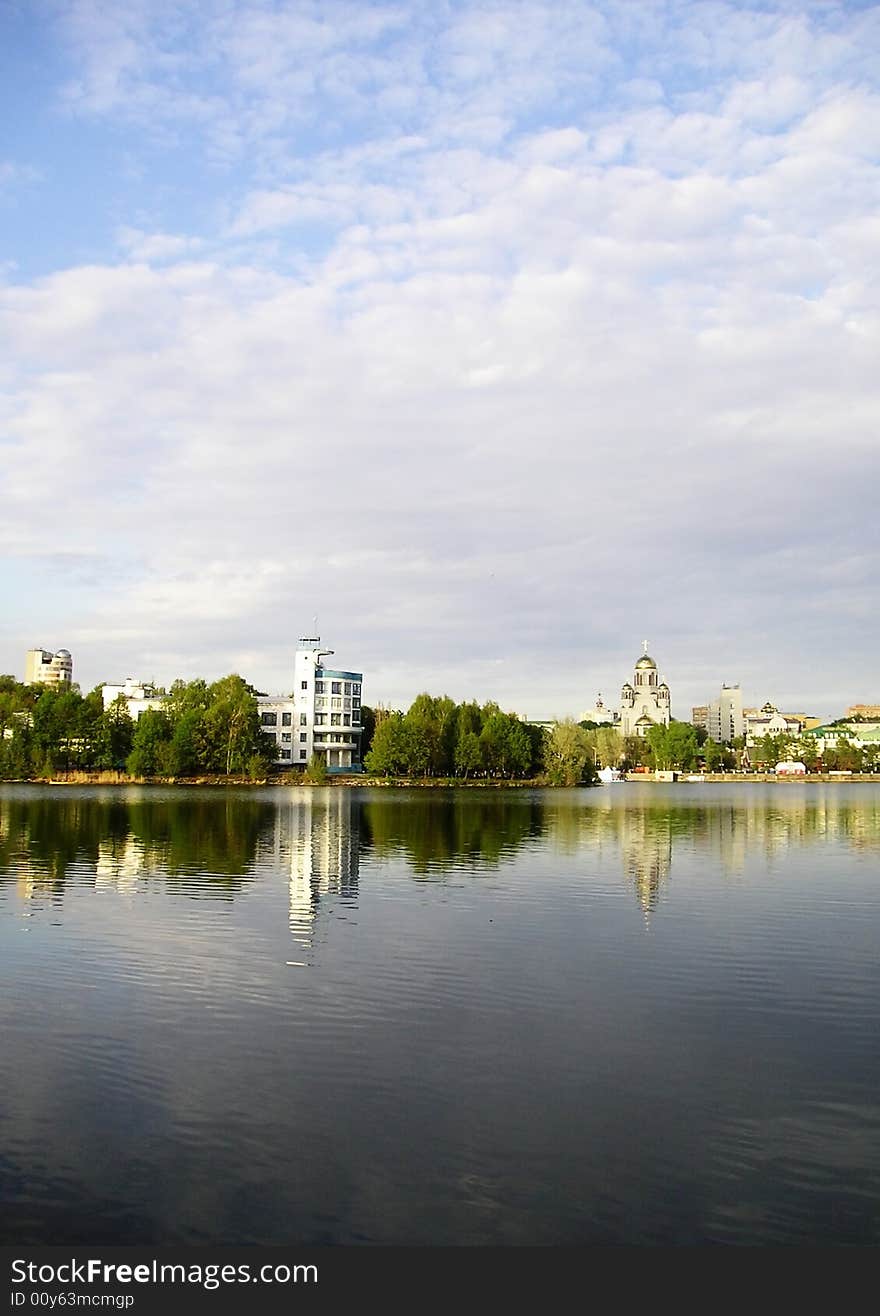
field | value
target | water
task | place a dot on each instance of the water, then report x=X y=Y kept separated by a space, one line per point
x=642 y=1013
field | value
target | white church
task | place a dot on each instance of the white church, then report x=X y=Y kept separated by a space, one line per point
x=645 y=702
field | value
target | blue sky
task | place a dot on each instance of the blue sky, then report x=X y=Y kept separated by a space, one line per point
x=499 y=336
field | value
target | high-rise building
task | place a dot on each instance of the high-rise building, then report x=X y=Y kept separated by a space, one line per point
x=44 y=668
x=724 y=716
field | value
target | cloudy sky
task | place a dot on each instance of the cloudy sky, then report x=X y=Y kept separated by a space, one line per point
x=498 y=336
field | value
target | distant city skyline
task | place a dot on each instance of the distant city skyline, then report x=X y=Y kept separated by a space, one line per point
x=499 y=336
x=610 y=707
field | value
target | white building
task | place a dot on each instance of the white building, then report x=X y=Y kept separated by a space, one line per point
x=724 y=716
x=138 y=695
x=322 y=716
x=645 y=702
x=44 y=668
x=600 y=713
x=768 y=721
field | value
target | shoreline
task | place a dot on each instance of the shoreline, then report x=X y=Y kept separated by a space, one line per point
x=438 y=783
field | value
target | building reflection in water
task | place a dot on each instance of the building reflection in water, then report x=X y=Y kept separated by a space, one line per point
x=121 y=863
x=315 y=841
x=646 y=852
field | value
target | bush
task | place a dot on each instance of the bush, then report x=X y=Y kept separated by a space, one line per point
x=316 y=772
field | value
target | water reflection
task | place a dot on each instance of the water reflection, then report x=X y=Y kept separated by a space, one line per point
x=316 y=841
x=338 y=1016
x=318 y=838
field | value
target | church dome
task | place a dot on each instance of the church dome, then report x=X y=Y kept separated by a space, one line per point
x=644 y=721
x=645 y=661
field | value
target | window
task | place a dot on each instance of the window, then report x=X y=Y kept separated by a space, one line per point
x=355 y=703
x=356 y=719
x=302 y=753
x=320 y=719
x=303 y=720
x=285 y=719
x=302 y=737
x=303 y=685
x=320 y=703
x=346 y=703
x=285 y=737
x=285 y=753
x=335 y=703
x=335 y=719
x=319 y=687
x=346 y=719
x=356 y=688
x=336 y=687
x=348 y=687
x=269 y=719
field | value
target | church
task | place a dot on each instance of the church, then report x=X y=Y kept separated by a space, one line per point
x=644 y=703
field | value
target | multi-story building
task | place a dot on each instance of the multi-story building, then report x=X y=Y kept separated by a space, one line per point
x=645 y=703
x=863 y=710
x=138 y=695
x=322 y=716
x=44 y=668
x=724 y=716
x=700 y=716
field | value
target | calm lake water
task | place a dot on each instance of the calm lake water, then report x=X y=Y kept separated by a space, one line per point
x=641 y=1013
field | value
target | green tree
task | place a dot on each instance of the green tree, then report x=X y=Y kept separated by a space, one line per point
x=389 y=755
x=568 y=759
x=150 y=744
x=232 y=726
x=468 y=756
x=115 y=732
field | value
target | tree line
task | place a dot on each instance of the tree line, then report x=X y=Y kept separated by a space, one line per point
x=439 y=738
x=201 y=729
x=214 y=729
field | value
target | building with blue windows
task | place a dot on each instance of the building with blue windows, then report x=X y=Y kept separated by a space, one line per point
x=322 y=716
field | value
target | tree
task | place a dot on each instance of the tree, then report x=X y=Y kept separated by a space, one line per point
x=232 y=725
x=389 y=755
x=568 y=760
x=114 y=737
x=609 y=746
x=468 y=756
x=150 y=744
x=368 y=727
x=673 y=746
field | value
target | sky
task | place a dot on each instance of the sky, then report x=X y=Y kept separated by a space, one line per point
x=492 y=338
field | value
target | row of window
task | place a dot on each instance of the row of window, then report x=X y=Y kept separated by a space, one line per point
x=271 y=719
x=336 y=687
x=336 y=720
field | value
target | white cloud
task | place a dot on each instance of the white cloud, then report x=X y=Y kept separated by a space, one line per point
x=543 y=342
